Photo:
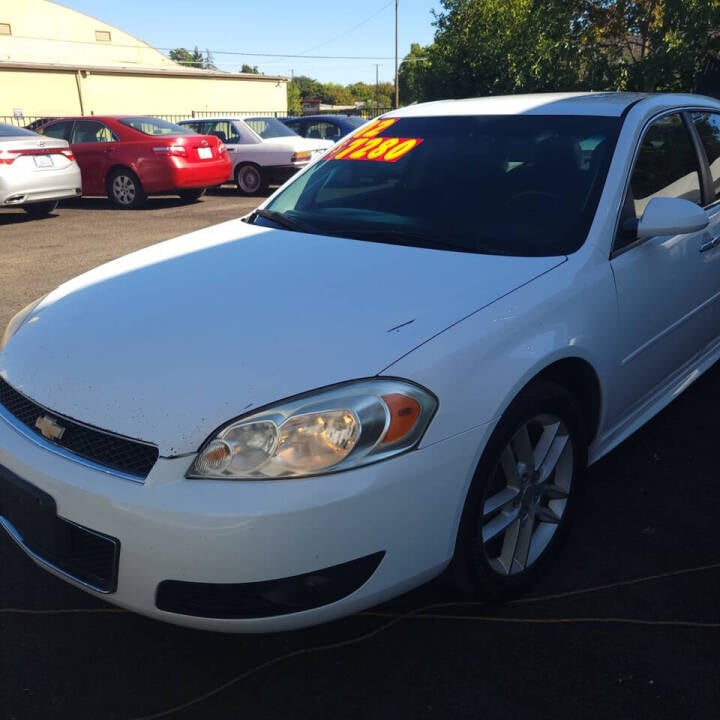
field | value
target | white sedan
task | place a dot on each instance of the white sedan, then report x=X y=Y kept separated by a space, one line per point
x=35 y=171
x=399 y=364
x=263 y=151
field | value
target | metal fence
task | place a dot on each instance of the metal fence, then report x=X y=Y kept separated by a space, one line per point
x=34 y=120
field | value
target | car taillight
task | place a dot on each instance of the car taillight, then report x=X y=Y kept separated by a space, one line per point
x=68 y=154
x=221 y=149
x=177 y=150
x=302 y=156
x=7 y=157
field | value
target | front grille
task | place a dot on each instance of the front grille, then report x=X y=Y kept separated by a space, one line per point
x=30 y=515
x=100 y=446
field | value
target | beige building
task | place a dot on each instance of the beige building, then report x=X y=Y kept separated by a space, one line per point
x=57 y=61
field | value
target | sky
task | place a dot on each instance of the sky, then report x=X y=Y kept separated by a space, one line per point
x=356 y=40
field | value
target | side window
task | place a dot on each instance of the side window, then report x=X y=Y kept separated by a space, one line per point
x=294 y=125
x=238 y=135
x=59 y=130
x=323 y=130
x=90 y=131
x=708 y=127
x=223 y=130
x=196 y=126
x=666 y=165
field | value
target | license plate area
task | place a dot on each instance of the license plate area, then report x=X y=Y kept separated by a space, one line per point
x=205 y=153
x=43 y=161
x=85 y=555
x=29 y=510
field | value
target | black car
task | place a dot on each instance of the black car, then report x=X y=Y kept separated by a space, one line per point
x=325 y=127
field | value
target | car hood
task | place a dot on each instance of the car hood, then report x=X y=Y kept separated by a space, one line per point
x=170 y=342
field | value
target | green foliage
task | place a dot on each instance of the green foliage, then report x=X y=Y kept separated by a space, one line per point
x=412 y=73
x=250 y=69
x=308 y=86
x=294 y=106
x=196 y=58
x=488 y=47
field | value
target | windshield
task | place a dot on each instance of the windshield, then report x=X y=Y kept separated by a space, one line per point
x=269 y=128
x=155 y=126
x=511 y=185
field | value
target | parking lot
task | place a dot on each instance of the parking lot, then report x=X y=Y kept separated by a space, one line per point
x=625 y=625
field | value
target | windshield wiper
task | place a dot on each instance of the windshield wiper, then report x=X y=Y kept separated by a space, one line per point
x=282 y=220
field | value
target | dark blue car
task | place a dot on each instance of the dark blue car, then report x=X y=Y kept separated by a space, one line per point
x=325 y=127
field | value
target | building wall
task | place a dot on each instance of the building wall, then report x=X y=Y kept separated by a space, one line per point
x=106 y=93
x=38 y=94
x=52 y=64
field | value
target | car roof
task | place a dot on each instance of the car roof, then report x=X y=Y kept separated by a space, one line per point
x=611 y=104
x=98 y=118
x=214 y=118
x=329 y=116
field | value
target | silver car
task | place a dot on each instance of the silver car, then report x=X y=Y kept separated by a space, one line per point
x=35 y=171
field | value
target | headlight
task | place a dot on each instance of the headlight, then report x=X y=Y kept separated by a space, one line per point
x=17 y=320
x=325 y=431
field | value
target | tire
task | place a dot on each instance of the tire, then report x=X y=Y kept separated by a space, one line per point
x=249 y=179
x=190 y=196
x=40 y=209
x=125 y=190
x=523 y=495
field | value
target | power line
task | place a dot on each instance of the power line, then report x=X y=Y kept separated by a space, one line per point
x=211 y=51
x=352 y=29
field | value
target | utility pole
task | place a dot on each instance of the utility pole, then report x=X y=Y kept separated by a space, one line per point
x=377 y=104
x=397 y=87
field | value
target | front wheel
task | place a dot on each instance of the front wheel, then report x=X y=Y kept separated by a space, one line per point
x=249 y=179
x=40 y=209
x=125 y=190
x=190 y=196
x=522 y=497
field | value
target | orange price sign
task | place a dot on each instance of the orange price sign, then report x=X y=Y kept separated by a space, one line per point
x=366 y=145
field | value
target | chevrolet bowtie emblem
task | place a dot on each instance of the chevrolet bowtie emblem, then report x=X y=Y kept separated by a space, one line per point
x=49 y=427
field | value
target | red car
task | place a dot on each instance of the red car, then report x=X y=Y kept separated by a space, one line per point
x=128 y=158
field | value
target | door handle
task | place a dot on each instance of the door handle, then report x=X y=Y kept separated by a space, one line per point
x=709 y=242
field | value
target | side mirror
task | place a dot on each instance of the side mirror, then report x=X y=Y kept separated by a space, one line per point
x=671 y=216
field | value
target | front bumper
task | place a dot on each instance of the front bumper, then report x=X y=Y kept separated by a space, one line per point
x=279 y=174
x=393 y=524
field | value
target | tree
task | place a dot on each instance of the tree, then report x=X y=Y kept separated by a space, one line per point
x=196 y=58
x=308 y=86
x=294 y=104
x=250 y=69
x=411 y=74
x=487 y=47
x=650 y=44
x=490 y=47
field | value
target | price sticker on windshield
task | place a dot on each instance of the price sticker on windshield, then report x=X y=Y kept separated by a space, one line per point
x=367 y=145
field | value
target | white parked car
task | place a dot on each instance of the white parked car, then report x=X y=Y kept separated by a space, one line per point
x=400 y=363
x=35 y=171
x=263 y=151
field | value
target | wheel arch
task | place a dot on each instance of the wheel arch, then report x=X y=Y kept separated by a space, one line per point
x=245 y=163
x=120 y=166
x=579 y=378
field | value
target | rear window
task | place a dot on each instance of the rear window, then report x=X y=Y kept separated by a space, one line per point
x=511 y=185
x=7 y=130
x=155 y=126
x=269 y=128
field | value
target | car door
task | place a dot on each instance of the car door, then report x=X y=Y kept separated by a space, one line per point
x=667 y=287
x=94 y=145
